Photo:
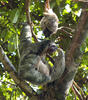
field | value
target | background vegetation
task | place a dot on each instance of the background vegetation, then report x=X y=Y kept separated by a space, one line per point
x=12 y=15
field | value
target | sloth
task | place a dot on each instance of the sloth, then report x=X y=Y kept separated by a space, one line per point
x=33 y=65
x=49 y=23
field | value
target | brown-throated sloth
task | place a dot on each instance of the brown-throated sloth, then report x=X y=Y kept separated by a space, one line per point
x=49 y=23
x=33 y=66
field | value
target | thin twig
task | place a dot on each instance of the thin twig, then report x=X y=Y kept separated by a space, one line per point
x=76 y=92
x=68 y=28
x=81 y=0
x=62 y=30
x=86 y=97
x=7 y=83
x=47 y=5
x=27 y=4
x=76 y=85
x=82 y=93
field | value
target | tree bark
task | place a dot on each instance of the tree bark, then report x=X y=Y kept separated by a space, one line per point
x=9 y=67
x=2 y=97
x=58 y=89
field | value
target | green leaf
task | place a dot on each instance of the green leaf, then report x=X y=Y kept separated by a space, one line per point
x=58 y=2
x=13 y=43
x=16 y=16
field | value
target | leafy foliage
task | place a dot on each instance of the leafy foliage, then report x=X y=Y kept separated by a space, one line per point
x=12 y=16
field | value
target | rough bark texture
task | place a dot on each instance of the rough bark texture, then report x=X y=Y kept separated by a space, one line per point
x=2 y=97
x=56 y=90
x=11 y=70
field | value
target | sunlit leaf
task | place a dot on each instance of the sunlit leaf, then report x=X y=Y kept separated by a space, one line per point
x=16 y=16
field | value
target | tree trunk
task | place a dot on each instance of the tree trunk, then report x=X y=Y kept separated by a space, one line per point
x=58 y=89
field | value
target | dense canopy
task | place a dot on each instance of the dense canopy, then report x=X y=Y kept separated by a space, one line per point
x=72 y=37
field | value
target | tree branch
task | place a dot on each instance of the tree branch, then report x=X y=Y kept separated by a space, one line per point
x=81 y=0
x=9 y=67
x=27 y=3
x=72 y=54
x=76 y=92
x=81 y=32
x=87 y=97
x=79 y=89
x=2 y=97
x=47 y=5
x=82 y=93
